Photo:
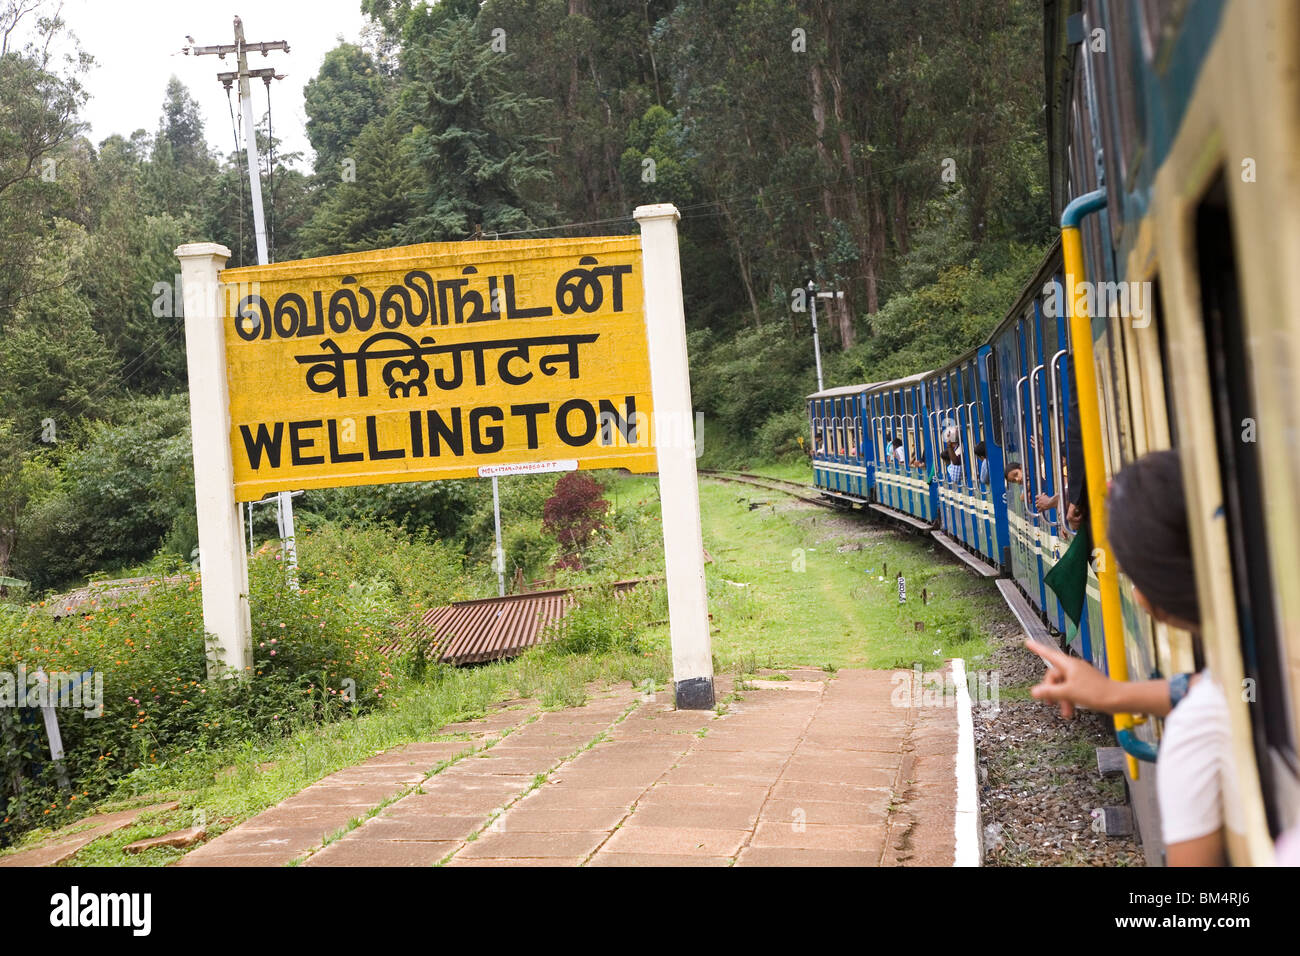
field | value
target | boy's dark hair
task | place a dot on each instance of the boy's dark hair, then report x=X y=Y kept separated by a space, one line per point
x=1148 y=533
x=980 y=450
x=1011 y=466
x=896 y=442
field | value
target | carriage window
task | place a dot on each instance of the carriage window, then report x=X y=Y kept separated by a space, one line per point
x=995 y=405
x=1241 y=473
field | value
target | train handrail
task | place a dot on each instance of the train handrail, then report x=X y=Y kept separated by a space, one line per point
x=1039 y=457
x=968 y=457
x=1020 y=424
x=1057 y=418
x=1085 y=382
x=932 y=419
x=1024 y=450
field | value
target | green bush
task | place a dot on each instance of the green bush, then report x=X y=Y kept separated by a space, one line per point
x=604 y=623
x=778 y=437
x=113 y=497
x=316 y=658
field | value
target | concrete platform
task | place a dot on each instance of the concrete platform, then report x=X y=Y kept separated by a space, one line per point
x=802 y=772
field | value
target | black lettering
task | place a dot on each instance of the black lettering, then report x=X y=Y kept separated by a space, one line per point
x=531 y=411
x=377 y=453
x=562 y=422
x=336 y=456
x=616 y=273
x=522 y=313
x=439 y=432
x=486 y=440
x=267 y=443
x=307 y=326
x=417 y=436
x=298 y=444
x=610 y=420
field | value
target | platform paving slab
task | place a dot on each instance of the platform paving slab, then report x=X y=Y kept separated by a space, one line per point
x=814 y=771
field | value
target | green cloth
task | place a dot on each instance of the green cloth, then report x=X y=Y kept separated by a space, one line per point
x=1069 y=579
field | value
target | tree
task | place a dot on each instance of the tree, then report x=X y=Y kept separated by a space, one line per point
x=181 y=168
x=372 y=211
x=38 y=119
x=574 y=513
x=345 y=96
x=479 y=162
x=54 y=367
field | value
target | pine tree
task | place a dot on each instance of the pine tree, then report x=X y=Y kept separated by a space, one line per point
x=472 y=142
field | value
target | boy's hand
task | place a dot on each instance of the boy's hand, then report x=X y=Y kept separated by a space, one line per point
x=1070 y=682
x=1074 y=517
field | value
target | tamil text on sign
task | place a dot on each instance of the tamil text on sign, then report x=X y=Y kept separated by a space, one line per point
x=434 y=361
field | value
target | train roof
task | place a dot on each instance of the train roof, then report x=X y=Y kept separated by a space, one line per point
x=905 y=380
x=844 y=390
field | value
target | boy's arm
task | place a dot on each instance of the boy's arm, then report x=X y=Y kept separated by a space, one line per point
x=1072 y=682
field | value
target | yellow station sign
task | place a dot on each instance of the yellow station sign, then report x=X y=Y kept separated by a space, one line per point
x=443 y=360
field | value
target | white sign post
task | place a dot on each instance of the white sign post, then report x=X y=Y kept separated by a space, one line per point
x=665 y=316
x=223 y=565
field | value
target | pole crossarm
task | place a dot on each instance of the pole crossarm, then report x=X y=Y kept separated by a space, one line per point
x=224 y=49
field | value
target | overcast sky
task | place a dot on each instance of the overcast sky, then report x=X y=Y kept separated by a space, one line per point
x=136 y=46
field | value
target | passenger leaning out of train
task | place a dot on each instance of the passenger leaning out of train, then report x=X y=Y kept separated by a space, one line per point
x=1194 y=782
x=952 y=467
x=982 y=456
x=1044 y=502
x=896 y=450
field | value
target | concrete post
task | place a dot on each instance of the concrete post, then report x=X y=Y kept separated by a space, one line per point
x=223 y=565
x=670 y=383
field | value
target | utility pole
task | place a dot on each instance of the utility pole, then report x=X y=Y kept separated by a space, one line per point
x=500 y=558
x=240 y=48
x=817 y=347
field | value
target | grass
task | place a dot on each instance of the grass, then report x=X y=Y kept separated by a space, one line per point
x=782 y=591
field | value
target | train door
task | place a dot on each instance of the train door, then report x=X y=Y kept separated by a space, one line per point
x=1019 y=511
x=1048 y=455
x=900 y=425
x=970 y=464
x=927 y=471
x=969 y=469
x=916 y=480
x=860 y=446
x=994 y=482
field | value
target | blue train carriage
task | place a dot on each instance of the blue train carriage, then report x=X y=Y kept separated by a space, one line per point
x=970 y=487
x=896 y=413
x=1030 y=422
x=1158 y=161
x=843 y=460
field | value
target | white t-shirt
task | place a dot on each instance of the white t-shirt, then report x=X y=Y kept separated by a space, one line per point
x=1194 y=779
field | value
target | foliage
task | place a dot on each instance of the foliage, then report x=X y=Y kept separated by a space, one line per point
x=116 y=495
x=603 y=623
x=471 y=141
x=573 y=513
x=316 y=658
x=741 y=381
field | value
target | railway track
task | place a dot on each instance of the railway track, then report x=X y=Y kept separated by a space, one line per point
x=792 y=488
